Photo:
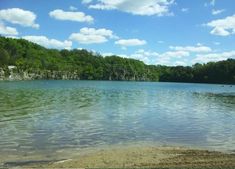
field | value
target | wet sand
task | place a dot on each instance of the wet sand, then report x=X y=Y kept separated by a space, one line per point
x=141 y=157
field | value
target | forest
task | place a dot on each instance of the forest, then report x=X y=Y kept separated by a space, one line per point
x=30 y=57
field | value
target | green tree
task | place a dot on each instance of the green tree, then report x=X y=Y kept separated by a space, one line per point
x=30 y=57
x=4 y=57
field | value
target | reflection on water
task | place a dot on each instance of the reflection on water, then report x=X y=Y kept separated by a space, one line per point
x=48 y=116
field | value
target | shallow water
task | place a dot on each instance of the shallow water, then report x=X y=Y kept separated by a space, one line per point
x=46 y=117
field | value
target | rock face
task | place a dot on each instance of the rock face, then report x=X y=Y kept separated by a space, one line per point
x=12 y=73
x=2 y=74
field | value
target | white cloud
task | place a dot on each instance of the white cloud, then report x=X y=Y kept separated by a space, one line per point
x=180 y=54
x=216 y=12
x=216 y=43
x=130 y=42
x=212 y=3
x=6 y=30
x=107 y=54
x=223 y=27
x=49 y=43
x=146 y=56
x=72 y=8
x=219 y=31
x=160 y=42
x=19 y=16
x=86 y=1
x=180 y=63
x=139 y=7
x=204 y=58
x=92 y=35
x=166 y=58
x=175 y=54
x=171 y=58
x=175 y=58
x=71 y=16
x=12 y=36
x=198 y=49
x=184 y=9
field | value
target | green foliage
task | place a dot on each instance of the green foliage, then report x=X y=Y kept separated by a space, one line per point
x=86 y=65
x=31 y=57
x=212 y=72
x=4 y=57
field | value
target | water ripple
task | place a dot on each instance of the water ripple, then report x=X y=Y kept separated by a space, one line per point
x=47 y=116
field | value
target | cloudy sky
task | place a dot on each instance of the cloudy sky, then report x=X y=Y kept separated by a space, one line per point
x=169 y=32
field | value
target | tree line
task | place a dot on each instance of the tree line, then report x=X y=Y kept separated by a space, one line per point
x=30 y=57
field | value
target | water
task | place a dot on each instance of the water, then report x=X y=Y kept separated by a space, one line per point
x=46 y=117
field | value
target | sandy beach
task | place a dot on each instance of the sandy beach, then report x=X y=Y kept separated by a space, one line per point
x=139 y=157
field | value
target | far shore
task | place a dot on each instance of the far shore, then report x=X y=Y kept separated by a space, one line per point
x=139 y=157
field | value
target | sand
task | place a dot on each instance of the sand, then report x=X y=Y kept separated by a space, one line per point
x=142 y=157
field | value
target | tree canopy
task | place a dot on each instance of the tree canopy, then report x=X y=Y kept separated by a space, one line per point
x=28 y=56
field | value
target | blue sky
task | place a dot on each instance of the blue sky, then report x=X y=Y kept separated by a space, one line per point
x=168 y=32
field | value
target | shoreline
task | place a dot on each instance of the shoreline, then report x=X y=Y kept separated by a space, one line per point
x=135 y=156
x=131 y=81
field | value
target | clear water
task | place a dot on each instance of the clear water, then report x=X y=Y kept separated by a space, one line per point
x=48 y=116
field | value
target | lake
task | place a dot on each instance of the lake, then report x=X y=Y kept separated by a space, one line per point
x=49 y=117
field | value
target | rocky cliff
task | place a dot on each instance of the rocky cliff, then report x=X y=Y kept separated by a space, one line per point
x=13 y=73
